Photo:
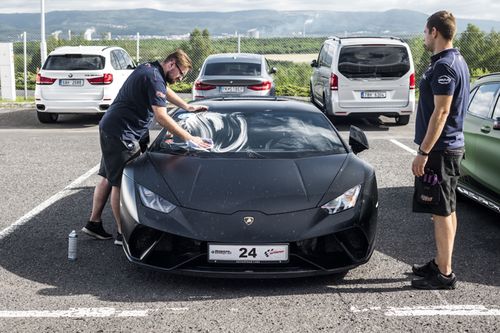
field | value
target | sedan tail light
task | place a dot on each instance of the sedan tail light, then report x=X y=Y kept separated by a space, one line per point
x=203 y=86
x=334 y=82
x=266 y=85
x=104 y=79
x=42 y=80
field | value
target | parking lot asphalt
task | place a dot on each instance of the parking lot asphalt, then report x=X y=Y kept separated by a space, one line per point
x=47 y=175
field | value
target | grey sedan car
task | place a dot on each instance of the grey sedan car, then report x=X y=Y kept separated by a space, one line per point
x=234 y=74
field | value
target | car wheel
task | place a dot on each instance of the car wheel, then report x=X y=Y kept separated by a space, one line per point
x=47 y=118
x=311 y=95
x=402 y=120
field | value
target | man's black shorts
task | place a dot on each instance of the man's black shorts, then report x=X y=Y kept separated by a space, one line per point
x=446 y=165
x=115 y=155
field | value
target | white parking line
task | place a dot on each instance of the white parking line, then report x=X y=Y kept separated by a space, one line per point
x=74 y=313
x=58 y=196
x=399 y=144
x=86 y=313
x=437 y=310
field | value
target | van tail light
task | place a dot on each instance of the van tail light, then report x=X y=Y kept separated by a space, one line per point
x=42 y=80
x=266 y=85
x=203 y=86
x=412 y=81
x=334 y=82
x=106 y=78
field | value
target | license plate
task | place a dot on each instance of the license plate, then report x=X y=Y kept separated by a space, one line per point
x=71 y=83
x=373 y=94
x=273 y=253
x=232 y=90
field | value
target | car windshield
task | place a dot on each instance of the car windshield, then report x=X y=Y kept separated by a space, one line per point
x=255 y=134
x=374 y=61
x=233 y=69
x=74 y=62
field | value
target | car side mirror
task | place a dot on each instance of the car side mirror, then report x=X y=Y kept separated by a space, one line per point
x=273 y=70
x=357 y=140
x=496 y=123
x=314 y=63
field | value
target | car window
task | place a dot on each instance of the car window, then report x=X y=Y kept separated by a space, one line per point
x=74 y=62
x=129 y=63
x=324 y=57
x=233 y=68
x=114 y=60
x=496 y=114
x=121 y=60
x=373 y=61
x=277 y=133
x=483 y=99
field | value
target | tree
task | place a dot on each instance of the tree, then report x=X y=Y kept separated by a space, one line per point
x=472 y=46
x=198 y=48
x=491 y=55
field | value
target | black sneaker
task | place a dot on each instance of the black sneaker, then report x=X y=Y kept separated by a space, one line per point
x=95 y=229
x=435 y=281
x=425 y=269
x=119 y=239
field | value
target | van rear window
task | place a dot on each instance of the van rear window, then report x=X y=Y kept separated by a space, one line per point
x=74 y=62
x=373 y=61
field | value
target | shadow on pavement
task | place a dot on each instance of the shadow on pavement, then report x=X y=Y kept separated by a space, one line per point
x=27 y=119
x=37 y=251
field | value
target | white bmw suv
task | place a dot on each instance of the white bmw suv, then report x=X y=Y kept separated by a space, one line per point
x=364 y=76
x=80 y=79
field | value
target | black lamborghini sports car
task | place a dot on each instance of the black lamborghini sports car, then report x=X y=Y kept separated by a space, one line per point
x=279 y=194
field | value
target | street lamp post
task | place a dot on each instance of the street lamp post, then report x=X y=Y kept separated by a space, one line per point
x=43 y=43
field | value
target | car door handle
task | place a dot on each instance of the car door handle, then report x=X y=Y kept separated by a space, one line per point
x=486 y=129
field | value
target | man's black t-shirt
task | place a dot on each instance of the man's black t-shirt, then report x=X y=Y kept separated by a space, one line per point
x=130 y=115
x=447 y=74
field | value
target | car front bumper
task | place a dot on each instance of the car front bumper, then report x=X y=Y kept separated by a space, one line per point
x=319 y=243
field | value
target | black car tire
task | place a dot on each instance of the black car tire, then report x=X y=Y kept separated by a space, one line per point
x=403 y=120
x=47 y=118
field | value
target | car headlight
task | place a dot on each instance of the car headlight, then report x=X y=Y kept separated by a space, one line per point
x=154 y=201
x=344 y=201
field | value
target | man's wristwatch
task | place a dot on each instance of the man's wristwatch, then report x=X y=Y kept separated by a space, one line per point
x=421 y=152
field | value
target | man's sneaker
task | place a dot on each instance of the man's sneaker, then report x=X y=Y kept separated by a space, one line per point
x=96 y=230
x=425 y=269
x=119 y=239
x=435 y=281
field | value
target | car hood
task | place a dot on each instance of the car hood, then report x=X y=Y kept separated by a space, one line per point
x=223 y=185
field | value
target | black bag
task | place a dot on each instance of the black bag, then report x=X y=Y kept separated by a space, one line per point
x=427 y=188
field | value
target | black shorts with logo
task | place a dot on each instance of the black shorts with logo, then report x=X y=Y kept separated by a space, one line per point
x=115 y=155
x=446 y=165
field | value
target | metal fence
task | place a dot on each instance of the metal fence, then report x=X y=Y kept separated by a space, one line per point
x=291 y=55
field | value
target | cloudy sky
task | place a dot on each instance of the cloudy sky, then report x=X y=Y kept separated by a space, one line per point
x=479 y=9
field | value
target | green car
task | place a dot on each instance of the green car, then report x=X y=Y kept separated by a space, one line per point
x=480 y=167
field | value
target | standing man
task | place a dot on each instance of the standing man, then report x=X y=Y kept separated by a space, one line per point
x=444 y=96
x=141 y=99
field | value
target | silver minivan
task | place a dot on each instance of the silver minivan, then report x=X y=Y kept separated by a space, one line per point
x=365 y=76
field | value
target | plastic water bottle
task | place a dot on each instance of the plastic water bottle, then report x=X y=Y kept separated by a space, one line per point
x=72 y=245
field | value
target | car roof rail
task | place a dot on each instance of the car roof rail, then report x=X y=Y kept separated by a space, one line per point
x=489 y=74
x=339 y=39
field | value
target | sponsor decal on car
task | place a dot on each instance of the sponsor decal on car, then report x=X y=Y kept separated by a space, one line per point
x=270 y=252
x=223 y=252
